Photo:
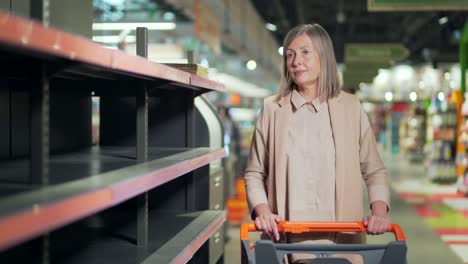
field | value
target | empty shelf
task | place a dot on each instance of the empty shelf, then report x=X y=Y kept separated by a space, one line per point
x=78 y=57
x=173 y=237
x=28 y=214
x=182 y=247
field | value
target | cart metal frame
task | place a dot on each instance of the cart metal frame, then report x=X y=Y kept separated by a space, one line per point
x=268 y=252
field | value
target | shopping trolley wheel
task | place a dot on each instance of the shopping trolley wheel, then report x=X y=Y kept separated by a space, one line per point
x=329 y=261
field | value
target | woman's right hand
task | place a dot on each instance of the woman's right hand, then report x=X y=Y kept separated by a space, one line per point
x=266 y=221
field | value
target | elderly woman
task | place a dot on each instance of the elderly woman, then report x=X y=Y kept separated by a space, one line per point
x=312 y=148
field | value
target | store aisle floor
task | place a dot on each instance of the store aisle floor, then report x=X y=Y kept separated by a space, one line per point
x=408 y=210
x=441 y=213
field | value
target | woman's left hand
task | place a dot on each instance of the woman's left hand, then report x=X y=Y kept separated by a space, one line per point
x=378 y=222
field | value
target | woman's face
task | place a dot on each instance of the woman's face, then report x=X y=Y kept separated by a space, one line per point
x=303 y=62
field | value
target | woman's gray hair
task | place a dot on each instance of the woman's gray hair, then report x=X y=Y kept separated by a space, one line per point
x=328 y=82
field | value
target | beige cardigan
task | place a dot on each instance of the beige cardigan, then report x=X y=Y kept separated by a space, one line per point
x=356 y=158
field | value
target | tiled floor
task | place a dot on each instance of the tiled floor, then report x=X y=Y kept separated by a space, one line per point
x=441 y=207
x=434 y=217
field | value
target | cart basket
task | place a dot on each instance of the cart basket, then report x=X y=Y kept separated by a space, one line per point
x=268 y=252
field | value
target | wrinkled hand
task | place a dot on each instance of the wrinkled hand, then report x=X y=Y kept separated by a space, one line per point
x=376 y=225
x=267 y=222
x=378 y=222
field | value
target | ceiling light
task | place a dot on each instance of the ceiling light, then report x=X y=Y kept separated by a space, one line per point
x=114 y=39
x=204 y=62
x=271 y=27
x=443 y=20
x=388 y=96
x=251 y=65
x=340 y=17
x=441 y=96
x=133 y=26
x=456 y=35
x=421 y=85
x=280 y=51
x=413 y=96
x=168 y=16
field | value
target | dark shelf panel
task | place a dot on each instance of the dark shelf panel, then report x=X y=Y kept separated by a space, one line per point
x=31 y=213
x=81 y=164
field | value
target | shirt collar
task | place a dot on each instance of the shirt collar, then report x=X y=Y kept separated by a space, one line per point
x=298 y=101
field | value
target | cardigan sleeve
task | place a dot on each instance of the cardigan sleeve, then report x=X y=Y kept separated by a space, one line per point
x=256 y=170
x=372 y=168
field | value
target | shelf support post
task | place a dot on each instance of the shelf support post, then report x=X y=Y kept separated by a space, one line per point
x=142 y=146
x=39 y=118
x=190 y=143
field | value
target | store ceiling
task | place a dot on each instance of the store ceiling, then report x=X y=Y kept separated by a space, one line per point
x=348 y=21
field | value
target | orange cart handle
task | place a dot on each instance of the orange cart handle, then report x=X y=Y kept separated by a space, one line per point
x=303 y=227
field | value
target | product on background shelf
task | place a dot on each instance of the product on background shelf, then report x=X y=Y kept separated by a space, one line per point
x=441 y=141
x=413 y=132
x=397 y=111
x=462 y=155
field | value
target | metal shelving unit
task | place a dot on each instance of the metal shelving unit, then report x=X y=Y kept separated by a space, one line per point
x=145 y=194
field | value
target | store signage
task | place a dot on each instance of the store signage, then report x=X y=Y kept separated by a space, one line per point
x=375 y=52
x=352 y=78
x=416 y=5
x=206 y=26
x=372 y=66
x=359 y=76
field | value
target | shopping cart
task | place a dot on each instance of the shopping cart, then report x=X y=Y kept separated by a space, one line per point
x=265 y=251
